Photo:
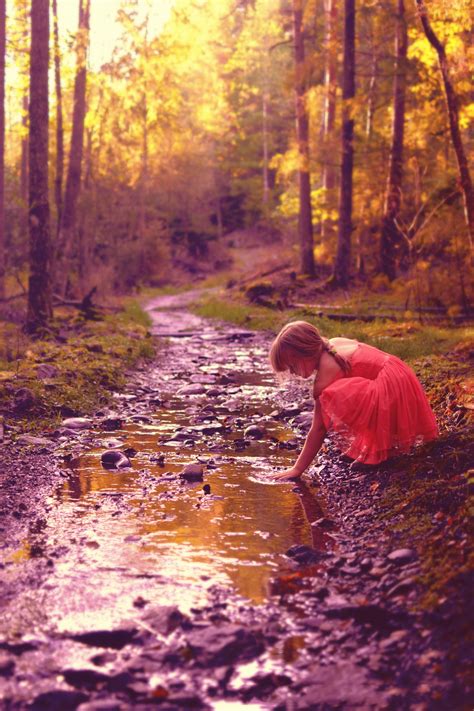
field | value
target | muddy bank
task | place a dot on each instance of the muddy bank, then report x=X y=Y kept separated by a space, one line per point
x=187 y=580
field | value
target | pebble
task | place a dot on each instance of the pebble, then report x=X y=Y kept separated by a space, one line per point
x=192 y=472
x=114 y=459
x=77 y=423
x=401 y=556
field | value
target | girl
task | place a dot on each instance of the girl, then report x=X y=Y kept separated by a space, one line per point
x=370 y=399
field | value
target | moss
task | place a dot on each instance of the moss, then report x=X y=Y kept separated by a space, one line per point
x=90 y=357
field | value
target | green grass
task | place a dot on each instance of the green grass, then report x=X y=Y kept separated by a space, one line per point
x=409 y=340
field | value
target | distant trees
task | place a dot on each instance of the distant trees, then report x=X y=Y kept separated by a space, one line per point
x=188 y=132
x=391 y=236
x=3 y=18
x=343 y=258
x=453 y=114
x=67 y=232
x=305 y=222
x=39 y=286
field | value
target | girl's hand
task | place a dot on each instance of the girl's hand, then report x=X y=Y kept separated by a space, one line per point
x=287 y=474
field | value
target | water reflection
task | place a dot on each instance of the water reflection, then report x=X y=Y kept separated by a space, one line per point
x=142 y=532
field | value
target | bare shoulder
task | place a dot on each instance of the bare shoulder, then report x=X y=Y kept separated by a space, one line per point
x=344 y=346
x=328 y=372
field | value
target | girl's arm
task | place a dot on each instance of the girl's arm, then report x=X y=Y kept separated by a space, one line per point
x=312 y=445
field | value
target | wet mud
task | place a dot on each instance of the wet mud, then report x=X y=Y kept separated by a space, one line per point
x=149 y=560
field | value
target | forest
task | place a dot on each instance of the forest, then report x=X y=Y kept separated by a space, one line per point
x=341 y=131
x=182 y=521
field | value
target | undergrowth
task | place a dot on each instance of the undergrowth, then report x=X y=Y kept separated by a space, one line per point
x=87 y=361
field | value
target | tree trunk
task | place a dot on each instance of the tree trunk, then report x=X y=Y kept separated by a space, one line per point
x=390 y=238
x=73 y=180
x=330 y=89
x=305 y=222
x=39 y=291
x=453 y=114
x=58 y=181
x=265 y=175
x=343 y=257
x=2 y=146
x=25 y=149
x=372 y=96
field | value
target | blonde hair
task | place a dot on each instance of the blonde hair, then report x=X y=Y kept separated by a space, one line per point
x=302 y=339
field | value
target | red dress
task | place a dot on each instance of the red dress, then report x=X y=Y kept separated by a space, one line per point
x=379 y=408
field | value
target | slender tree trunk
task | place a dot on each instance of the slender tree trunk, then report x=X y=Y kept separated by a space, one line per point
x=266 y=185
x=2 y=146
x=453 y=114
x=305 y=222
x=330 y=90
x=58 y=181
x=73 y=180
x=343 y=257
x=39 y=291
x=371 y=97
x=390 y=237
x=24 y=151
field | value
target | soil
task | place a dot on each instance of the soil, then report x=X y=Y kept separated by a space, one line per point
x=347 y=622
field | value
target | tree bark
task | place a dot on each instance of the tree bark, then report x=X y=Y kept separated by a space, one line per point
x=390 y=238
x=453 y=115
x=2 y=146
x=73 y=180
x=343 y=257
x=58 y=181
x=305 y=222
x=39 y=290
x=330 y=88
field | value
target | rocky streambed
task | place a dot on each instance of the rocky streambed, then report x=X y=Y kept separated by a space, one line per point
x=148 y=559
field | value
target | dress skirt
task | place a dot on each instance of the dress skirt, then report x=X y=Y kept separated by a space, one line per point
x=379 y=409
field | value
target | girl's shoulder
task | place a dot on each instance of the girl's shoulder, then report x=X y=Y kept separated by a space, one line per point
x=344 y=346
x=328 y=372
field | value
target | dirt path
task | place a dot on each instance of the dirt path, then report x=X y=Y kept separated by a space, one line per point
x=185 y=578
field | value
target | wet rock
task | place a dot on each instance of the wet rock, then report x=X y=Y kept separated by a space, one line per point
x=363 y=614
x=304 y=420
x=338 y=686
x=206 y=489
x=46 y=370
x=325 y=523
x=402 y=556
x=158 y=459
x=113 y=639
x=77 y=423
x=255 y=432
x=102 y=705
x=401 y=588
x=30 y=440
x=114 y=459
x=85 y=678
x=192 y=472
x=7 y=664
x=164 y=620
x=227 y=644
x=111 y=423
x=192 y=389
x=303 y=555
x=24 y=399
x=59 y=700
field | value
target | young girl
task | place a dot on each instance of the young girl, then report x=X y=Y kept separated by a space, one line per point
x=370 y=399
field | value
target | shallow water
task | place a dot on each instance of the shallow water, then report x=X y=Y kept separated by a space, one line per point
x=118 y=536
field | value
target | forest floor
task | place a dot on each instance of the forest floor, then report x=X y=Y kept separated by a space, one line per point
x=349 y=589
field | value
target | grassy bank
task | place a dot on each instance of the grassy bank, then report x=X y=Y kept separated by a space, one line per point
x=73 y=369
x=408 y=339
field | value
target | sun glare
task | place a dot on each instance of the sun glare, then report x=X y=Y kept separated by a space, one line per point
x=105 y=30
